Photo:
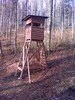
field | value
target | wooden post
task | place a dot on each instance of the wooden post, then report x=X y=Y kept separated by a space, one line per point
x=43 y=60
x=28 y=70
x=23 y=55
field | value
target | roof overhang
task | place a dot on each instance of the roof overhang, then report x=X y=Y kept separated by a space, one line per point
x=34 y=16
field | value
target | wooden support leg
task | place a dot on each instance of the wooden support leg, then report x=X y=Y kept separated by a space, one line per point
x=43 y=60
x=28 y=46
x=28 y=70
x=21 y=75
x=18 y=64
x=22 y=62
x=38 y=54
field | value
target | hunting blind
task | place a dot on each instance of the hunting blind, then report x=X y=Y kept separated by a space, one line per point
x=35 y=28
x=34 y=31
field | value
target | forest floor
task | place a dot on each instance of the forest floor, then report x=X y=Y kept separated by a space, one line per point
x=54 y=82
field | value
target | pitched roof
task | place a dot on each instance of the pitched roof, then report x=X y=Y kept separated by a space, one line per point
x=34 y=16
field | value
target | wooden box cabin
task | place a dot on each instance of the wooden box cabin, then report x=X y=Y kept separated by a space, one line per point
x=34 y=29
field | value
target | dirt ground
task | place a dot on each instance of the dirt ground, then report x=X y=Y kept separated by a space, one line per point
x=54 y=82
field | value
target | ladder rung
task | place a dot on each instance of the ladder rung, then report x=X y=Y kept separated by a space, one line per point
x=19 y=68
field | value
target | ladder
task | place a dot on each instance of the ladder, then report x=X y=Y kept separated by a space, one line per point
x=24 y=59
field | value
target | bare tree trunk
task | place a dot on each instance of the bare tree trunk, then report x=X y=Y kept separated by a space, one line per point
x=72 y=19
x=62 y=21
x=1 y=27
x=54 y=9
x=24 y=10
x=62 y=28
x=15 y=42
x=50 y=28
x=35 y=7
x=10 y=25
x=1 y=46
x=9 y=30
x=1 y=17
x=1 y=49
x=5 y=22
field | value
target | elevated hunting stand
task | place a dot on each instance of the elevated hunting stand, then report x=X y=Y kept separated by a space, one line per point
x=34 y=31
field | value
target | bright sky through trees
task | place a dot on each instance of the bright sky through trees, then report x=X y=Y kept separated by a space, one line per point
x=56 y=1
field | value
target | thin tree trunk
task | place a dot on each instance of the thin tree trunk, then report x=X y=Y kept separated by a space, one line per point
x=72 y=20
x=15 y=42
x=10 y=31
x=2 y=17
x=5 y=23
x=62 y=28
x=50 y=28
x=1 y=28
x=62 y=20
x=54 y=9
x=1 y=49
x=10 y=26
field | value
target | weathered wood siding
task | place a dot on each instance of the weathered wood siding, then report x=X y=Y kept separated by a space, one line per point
x=28 y=33
x=34 y=33
x=37 y=33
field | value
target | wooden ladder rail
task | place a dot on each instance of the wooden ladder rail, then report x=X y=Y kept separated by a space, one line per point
x=25 y=59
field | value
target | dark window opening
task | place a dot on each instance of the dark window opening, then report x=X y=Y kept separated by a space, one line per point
x=38 y=25
x=28 y=25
